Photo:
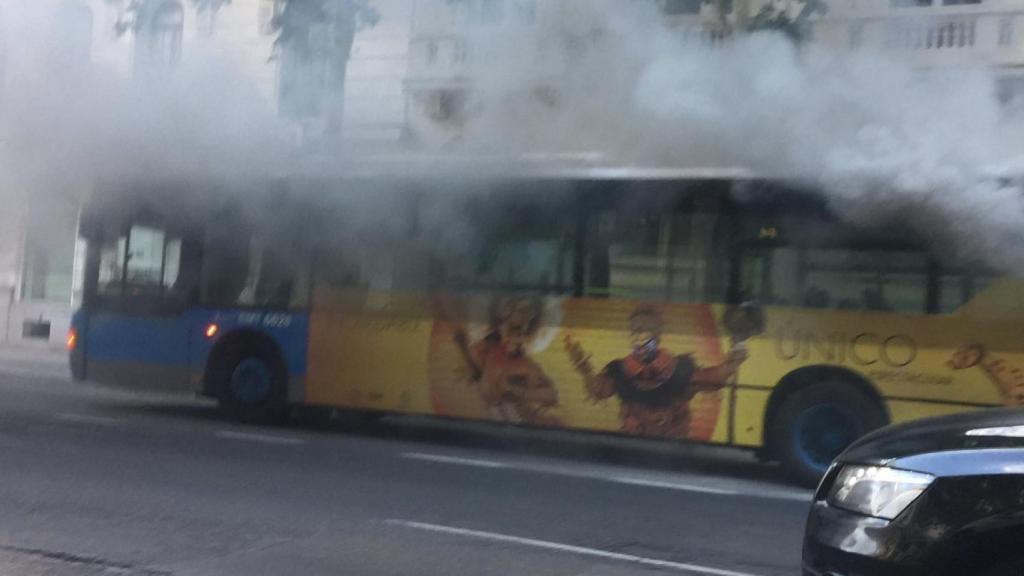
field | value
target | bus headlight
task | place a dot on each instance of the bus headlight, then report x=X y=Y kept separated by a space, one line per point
x=876 y=490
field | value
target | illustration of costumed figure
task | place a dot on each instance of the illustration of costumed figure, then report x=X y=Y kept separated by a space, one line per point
x=1009 y=380
x=512 y=385
x=655 y=386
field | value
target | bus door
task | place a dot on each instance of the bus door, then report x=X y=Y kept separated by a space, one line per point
x=136 y=327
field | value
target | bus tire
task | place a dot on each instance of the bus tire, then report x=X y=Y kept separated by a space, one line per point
x=250 y=385
x=815 y=423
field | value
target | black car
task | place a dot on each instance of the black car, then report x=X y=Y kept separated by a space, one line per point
x=934 y=497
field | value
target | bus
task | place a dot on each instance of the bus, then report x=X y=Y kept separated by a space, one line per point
x=707 y=306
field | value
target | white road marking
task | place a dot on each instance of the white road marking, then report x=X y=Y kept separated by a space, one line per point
x=87 y=419
x=670 y=485
x=605 y=476
x=36 y=373
x=569 y=548
x=260 y=438
x=453 y=460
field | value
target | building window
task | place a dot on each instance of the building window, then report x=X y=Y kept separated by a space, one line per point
x=432 y=50
x=461 y=55
x=525 y=11
x=680 y=7
x=491 y=11
x=302 y=88
x=49 y=253
x=856 y=35
x=72 y=34
x=159 y=36
x=959 y=2
x=918 y=35
x=448 y=106
x=482 y=12
x=1006 y=32
x=1010 y=89
x=268 y=11
x=3 y=52
x=910 y=3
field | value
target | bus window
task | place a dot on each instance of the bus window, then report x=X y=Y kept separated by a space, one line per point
x=510 y=248
x=374 y=266
x=141 y=266
x=272 y=278
x=958 y=288
x=111 y=271
x=147 y=252
x=242 y=269
x=172 y=263
x=369 y=245
x=226 y=264
x=793 y=252
x=652 y=256
x=836 y=278
x=869 y=280
x=526 y=264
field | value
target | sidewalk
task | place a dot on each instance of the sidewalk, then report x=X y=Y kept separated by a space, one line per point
x=48 y=361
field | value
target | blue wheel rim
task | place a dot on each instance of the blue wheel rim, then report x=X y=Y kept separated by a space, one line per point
x=251 y=381
x=821 y=432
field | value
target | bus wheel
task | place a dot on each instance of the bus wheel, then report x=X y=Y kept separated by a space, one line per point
x=251 y=388
x=815 y=424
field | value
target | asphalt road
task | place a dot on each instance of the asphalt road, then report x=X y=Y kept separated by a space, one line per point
x=95 y=482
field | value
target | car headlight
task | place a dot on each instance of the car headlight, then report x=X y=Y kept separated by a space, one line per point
x=876 y=490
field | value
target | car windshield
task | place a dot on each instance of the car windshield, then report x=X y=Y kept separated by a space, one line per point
x=594 y=287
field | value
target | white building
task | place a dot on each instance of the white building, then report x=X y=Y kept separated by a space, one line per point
x=935 y=33
x=40 y=259
x=409 y=83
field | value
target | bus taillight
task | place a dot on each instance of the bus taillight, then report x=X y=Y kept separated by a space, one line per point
x=72 y=339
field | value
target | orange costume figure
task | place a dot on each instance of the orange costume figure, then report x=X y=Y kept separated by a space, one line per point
x=513 y=386
x=1009 y=380
x=654 y=386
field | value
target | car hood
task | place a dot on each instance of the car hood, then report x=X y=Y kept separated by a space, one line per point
x=927 y=443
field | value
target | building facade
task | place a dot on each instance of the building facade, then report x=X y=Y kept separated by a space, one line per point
x=410 y=83
x=40 y=255
x=449 y=41
x=935 y=34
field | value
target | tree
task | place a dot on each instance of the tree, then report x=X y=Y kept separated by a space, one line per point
x=129 y=10
x=294 y=24
x=790 y=17
x=796 y=24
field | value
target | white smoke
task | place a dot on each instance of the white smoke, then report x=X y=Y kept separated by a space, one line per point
x=69 y=122
x=884 y=140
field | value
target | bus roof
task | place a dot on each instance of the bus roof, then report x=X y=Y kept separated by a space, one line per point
x=545 y=166
x=404 y=168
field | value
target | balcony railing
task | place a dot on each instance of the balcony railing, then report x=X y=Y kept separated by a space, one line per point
x=932 y=34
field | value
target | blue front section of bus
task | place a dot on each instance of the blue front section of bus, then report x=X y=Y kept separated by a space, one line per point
x=170 y=353
x=289 y=330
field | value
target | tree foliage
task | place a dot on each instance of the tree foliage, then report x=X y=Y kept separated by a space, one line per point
x=295 y=19
x=790 y=17
x=322 y=32
x=129 y=11
x=797 y=27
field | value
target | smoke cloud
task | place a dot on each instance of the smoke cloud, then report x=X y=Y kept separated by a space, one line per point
x=69 y=122
x=883 y=140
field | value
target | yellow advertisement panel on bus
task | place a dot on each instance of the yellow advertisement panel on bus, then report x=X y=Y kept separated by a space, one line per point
x=688 y=371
